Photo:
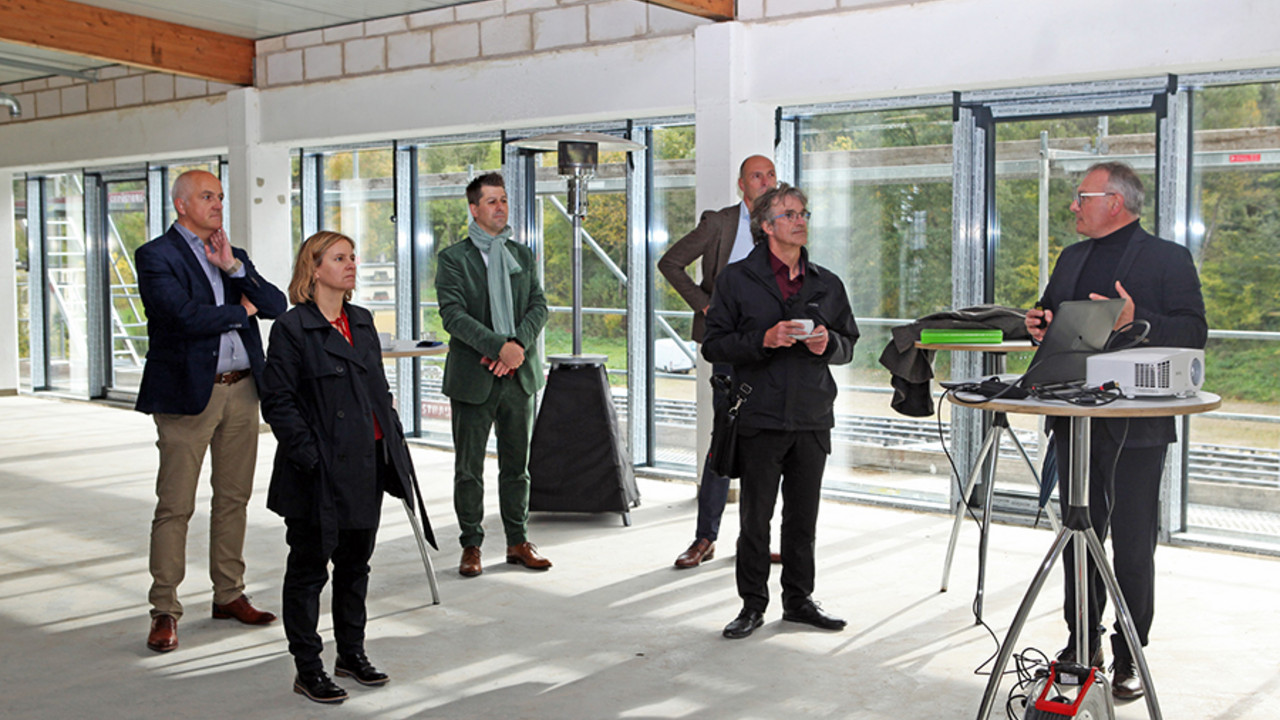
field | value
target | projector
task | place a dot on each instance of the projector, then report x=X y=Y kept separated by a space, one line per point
x=1149 y=372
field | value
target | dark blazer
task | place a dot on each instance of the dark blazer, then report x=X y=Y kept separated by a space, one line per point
x=462 y=289
x=320 y=395
x=1161 y=278
x=184 y=325
x=791 y=388
x=712 y=241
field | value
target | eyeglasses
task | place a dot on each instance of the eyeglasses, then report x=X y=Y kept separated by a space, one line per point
x=792 y=215
x=1081 y=196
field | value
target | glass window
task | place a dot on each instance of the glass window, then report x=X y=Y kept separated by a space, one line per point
x=1234 y=233
x=23 y=282
x=358 y=202
x=442 y=219
x=879 y=186
x=66 y=296
x=126 y=232
x=675 y=213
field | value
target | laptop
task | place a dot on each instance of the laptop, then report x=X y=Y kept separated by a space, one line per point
x=1080 y=328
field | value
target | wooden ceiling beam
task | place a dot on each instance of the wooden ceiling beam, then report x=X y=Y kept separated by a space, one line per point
x=119 y=37
x=711 y=9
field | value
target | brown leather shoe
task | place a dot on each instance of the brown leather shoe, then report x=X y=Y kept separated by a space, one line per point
x=164 y=633
x=1126 y=684
x=701 y=549
x=527 y=555
x=470 y=565
x=241 y=610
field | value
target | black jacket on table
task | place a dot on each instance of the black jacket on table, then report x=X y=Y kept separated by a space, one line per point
x=1161 y=278
x=320 y=394
x=791 y=388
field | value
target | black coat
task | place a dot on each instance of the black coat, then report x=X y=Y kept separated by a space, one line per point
x=320 y=394
x=791 y=388
x=1161 y=278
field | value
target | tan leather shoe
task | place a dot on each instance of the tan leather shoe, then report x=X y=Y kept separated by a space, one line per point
x=470 y=565
x=240 y=609
x=701 y=549
x=527 y=555
x=164 y=633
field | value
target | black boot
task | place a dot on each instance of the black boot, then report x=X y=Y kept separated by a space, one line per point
x=358 y=668
x=316 y=685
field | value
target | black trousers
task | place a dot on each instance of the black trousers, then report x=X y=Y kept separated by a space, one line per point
x=1133 y=501
x=795 y=461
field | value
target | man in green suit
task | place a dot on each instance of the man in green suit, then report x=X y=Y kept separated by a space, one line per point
x=492 y=306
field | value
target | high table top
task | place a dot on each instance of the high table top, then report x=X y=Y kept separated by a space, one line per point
x=409 y=349
x=1007 y=346
x=1145 y=407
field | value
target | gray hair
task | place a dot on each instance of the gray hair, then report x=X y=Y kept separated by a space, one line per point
x=1122 y=179
x=762 y=208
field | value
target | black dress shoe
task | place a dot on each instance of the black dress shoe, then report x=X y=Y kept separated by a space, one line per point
x=743 y=625
x=358 y=668
x=1125 y=682
x=809 y=613
x=317 y=686
x=1068 y=655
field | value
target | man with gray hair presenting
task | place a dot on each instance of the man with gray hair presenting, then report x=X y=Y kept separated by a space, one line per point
x=1158 y=281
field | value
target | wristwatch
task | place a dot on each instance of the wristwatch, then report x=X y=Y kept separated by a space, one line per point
x=235 y=267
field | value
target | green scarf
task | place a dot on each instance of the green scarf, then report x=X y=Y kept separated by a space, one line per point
x=502 y=265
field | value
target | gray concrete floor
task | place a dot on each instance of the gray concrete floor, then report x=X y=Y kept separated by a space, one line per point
x=612 y=631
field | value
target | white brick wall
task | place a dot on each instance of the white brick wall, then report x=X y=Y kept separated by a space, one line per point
x=776 y=8
x=409 y=49
x=48 y=103
x=284 y=68
x=431 y=18
x=323 y=61
x=102 y=95
x=750 y=9
x=456 y=42
x=129 y=91
x=386 y=26
x=365 y=55
x=478 y=10
x=616 y=20
x=560 y=27
x=506 y=34
x=185 y=87
x=304 y=39
x=339 y=33
x=157 y=87
x=75 y=99
x=514 y=6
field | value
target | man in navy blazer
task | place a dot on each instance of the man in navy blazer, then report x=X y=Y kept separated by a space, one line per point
x=203 y=298
x=1160 y=286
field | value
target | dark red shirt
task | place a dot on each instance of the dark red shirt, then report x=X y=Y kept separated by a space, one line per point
x=344 y=327
x=782 y=274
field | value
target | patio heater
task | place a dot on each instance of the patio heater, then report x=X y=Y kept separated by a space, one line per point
x=578 y=459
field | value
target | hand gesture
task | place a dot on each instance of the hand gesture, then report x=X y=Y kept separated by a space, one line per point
x=218 y=250
x=1126 y=314
x=248 y=305
x=783 y=334
x=817 y=340
x=511 y=355
x=1037 y=322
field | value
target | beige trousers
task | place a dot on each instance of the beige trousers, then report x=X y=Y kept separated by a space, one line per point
x=229 y=427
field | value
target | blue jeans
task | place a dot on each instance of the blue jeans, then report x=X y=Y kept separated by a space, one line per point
x=713 y=491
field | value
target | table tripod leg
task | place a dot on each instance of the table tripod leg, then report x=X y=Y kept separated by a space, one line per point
x=1125 y=618
x=1019 y=620
x=985 y=534
x=970 y=481
x=422 y=548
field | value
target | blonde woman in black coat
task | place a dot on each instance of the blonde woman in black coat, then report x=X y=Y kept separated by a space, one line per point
x=340 y=446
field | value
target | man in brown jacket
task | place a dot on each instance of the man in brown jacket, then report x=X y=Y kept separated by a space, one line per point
x=722 y=236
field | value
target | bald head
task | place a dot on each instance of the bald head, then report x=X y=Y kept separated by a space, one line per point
x=755 y=176
x=197 y=199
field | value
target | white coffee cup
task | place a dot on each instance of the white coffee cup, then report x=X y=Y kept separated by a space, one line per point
x=385 y=340
x=807 y=329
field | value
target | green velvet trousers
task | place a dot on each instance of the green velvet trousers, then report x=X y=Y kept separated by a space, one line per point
x=509 y=410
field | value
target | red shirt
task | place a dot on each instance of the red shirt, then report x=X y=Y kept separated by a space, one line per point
x=344 y=327
x=782 y=274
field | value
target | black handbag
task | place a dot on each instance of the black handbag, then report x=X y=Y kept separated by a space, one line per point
x=723 y=456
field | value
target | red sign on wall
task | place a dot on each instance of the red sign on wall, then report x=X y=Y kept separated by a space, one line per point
x=1245 y=157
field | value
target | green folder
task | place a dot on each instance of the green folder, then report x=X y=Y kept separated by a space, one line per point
x=958 y=337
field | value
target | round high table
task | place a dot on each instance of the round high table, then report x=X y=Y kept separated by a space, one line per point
x=993 y=364
x=1078 y=528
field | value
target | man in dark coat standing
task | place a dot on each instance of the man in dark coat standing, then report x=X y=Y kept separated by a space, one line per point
x=722 y=236
x=1159 y=284
x=204 y=364
x=492 y=306
x=781 y=321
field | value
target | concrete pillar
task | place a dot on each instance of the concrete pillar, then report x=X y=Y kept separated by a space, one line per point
x=258 y=190
x=8 y=290
x=730 y=127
